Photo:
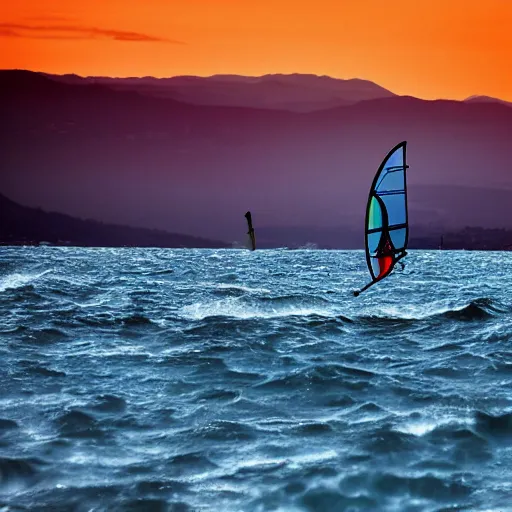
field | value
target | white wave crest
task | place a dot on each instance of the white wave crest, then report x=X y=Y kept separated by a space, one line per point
x=422 y=427
x=234 y=308
x=16 y=280
x=247 y=289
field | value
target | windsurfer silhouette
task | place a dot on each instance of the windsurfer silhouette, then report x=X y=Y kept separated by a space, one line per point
x=248 y=216
x=385 y=255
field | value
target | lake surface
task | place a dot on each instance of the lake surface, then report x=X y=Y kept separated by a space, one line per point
x=197 y=380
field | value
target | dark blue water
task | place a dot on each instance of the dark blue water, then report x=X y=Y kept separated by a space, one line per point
x=183 y=380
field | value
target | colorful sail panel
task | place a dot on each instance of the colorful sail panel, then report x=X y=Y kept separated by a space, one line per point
x=386 y=214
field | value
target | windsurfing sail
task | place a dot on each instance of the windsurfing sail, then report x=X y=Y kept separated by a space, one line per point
x=251 y=230
x=386 y=224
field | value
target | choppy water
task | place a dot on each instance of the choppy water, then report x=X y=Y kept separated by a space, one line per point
x=235 y=381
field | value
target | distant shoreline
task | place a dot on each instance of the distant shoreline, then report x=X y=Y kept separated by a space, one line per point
x=45 y=245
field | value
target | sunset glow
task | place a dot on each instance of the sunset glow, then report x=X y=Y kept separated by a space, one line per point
x=429 y=49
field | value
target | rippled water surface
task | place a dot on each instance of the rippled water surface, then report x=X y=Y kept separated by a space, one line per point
x=194 y=380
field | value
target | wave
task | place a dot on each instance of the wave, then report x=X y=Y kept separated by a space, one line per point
x=192 y=461
x=312 y=429
x=161 y=486
x=494 y=426
x=478 y=309
x=269 y=307
x=385 y=440
x=151 y=505
x=17 y=280
x=294 y=299
x=78 y=424
x=161 y=272
x=324 y=498
x=425 y=486
x=222 y=430
x=110 y=320
x=45 y=372
x=308 y=466
x=240 y=288
x=447 y=372
x=235 y=308
x=8 y=424
x=76 y=498
x=135 y=320
x=326 y=375
x=259 y=466
x=42 y=336
x=423 y=426
x=47 y=335
x=219 y=395
x=16 y=474
x=446 y=347
x=109 y=403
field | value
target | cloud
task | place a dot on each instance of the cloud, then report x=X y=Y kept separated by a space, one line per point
x=7 y=32
x=77 y=32
x=50 y=17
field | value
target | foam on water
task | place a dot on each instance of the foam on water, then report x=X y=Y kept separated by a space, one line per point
x=19 y=280
x=236 y=308
x=425 y=426
x=224 y=286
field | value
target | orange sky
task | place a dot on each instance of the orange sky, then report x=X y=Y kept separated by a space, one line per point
x=426 y=48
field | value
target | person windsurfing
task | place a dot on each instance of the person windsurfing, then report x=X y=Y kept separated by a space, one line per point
x=252 y=237
x=386 y=256
x=386 y=222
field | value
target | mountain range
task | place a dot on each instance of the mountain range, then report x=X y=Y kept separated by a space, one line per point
x=131 y=152
x=296 y=93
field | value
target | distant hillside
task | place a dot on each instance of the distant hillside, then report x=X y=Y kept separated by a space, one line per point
x=296 y=92
x=469 y=238
x=297 y=237
x=126 y=158
x=487 y=99
x=421 y=237
x=20 y=225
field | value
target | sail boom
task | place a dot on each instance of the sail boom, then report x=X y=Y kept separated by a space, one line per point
x=389 y=228
x=391 y=192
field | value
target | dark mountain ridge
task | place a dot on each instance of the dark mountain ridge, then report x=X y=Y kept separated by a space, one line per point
x=294 y=92
x=20 y=225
